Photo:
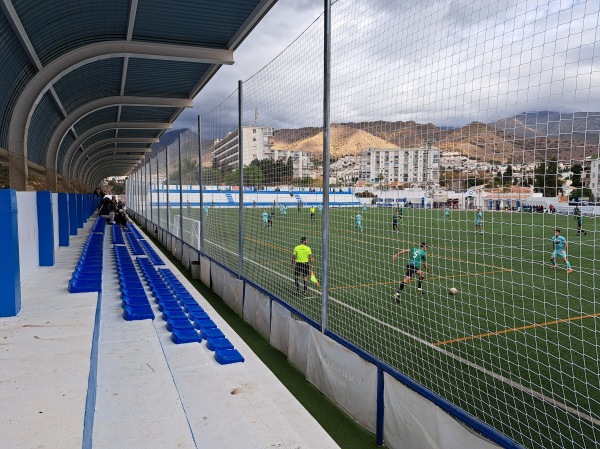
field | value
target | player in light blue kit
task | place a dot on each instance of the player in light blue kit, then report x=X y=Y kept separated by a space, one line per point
x=559 y=243
x=447 y=213
x=265 y=217
x=320 y=207
x=358 y=222
x=479 y=222
x=206 y=211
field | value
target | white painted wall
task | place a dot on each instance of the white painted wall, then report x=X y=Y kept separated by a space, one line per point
x=27 y=219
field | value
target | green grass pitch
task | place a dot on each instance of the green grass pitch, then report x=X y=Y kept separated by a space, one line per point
x=517 y=346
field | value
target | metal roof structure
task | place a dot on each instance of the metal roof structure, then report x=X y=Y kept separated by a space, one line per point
x=86 y=87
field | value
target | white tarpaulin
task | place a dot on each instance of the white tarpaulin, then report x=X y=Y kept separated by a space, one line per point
x=205 y=271
x=298 y=344
x=413 y=422
x=257 y=310
x=233 y=291
x=344 y=377
x=218 y=281
x=185 y=256
x=280 y=327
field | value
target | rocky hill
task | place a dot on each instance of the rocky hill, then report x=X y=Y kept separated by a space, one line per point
x=525 y=138
x=520 y=139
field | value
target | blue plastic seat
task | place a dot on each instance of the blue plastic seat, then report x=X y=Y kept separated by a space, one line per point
x=179 y=324
x=204 y=324
x=131 y=313
x=211 y=333
x=218 y=343
x=199 y=315
x=166 y=314
x=180 y=336
x=227 y=356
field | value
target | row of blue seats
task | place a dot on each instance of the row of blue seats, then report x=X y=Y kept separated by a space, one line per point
x=133 y=294
x=134 y=243
x=186 y=319
x=117 y=236
x=99 y=226
x=87 y=276
x=138 y=235
x=152 y=255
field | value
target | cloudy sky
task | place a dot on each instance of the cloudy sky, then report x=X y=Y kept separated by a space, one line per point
x=279 y=28
x=447 y=62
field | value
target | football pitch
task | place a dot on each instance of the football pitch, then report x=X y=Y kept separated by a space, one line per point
x=517 y=347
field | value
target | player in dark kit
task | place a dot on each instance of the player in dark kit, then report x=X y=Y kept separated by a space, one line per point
x=416 y=258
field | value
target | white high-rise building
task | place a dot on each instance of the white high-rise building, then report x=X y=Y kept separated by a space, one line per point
x=303 y=164
x=401 y=165
x=257 y=143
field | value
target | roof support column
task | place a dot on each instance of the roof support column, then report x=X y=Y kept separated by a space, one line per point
x=17 y=171
x=51 y=183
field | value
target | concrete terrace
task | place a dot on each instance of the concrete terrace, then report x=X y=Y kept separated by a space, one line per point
x=74 y=373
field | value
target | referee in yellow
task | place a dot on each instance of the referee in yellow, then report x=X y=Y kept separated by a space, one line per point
x=302 y=263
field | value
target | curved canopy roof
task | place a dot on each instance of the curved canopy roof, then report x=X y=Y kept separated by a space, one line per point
x=91 y=81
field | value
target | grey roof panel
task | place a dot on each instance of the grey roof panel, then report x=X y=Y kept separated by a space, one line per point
x=210 y=23
x=89 y=82
x=138 y=133
x=15 y=72
x=160 y=78
x=95 y=118
x=58 y=27
x=146 y=114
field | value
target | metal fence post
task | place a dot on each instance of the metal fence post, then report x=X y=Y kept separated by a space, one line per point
x=201 y=181
x=326 y=143
x=180 y=191
x=157 y=195
x=241 y=186
x=150 y=173
x=168 y=196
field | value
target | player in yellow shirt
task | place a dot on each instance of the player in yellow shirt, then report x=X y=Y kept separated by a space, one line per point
x=302 y=263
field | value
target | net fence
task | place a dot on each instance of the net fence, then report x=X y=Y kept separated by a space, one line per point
x=462 y=217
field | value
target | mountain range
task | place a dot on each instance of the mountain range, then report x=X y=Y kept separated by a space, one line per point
x=525 y=138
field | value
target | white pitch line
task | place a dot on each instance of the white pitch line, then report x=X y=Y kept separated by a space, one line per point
x=497 y=376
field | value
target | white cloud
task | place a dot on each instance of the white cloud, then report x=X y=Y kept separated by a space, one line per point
x=445 y=62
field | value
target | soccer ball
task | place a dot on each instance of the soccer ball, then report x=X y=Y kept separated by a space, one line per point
x=453 y=291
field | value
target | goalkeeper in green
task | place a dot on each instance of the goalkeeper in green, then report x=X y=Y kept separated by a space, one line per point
x=417 y=258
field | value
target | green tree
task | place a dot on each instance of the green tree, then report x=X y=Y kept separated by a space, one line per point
x=275 y=172
x=576 y=169
x=211 y=176
x=252 y=175
x=507 y=177
x=546 y=178
x=232 y=178
x=116 y=187
x=189 y=169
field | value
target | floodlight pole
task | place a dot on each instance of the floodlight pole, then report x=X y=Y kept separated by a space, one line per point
x=241 y=182
x=326 y=144
x=200 y=180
